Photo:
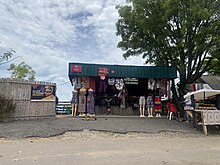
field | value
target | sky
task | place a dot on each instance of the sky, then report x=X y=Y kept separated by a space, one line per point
x=49 y=34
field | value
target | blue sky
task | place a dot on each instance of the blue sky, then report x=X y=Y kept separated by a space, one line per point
x=49 y=34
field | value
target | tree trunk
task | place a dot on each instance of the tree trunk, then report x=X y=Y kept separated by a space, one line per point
x=178 y=101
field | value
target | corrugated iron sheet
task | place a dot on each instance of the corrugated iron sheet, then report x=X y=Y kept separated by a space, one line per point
x=124 y=71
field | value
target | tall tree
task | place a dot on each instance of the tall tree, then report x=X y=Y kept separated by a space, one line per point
x=181 y=33
x=22 y=71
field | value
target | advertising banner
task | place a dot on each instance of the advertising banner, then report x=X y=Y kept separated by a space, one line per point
x=43 y=92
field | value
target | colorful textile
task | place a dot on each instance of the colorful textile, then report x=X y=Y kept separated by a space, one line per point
x=82 y=100
x=111 y=81
x=119 y=84
x=188 y=87
x=200 y=86
x=75 y=98
x=90 y=101
x=149 y=102
x=92 y=83
x=85 y=82
x=164 y=87
x=192 y=88
x=157 y=104
x=196 y=87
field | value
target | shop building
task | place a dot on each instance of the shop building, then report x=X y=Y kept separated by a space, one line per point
x=118 y=86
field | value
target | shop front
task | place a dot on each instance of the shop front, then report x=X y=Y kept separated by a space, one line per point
x=116 y=89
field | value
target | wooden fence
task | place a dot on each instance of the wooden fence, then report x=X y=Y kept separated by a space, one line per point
x=20 y=92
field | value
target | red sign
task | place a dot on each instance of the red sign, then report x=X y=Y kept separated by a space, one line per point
x=103 y=71
x=76 y=68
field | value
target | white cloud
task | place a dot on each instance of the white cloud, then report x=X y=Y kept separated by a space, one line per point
x=50 y=34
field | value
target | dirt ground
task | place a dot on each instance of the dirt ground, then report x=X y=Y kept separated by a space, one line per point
x=95 y=147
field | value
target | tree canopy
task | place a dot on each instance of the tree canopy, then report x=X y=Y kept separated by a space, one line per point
x=181 y=33
x=22 y=71
x=215 y=70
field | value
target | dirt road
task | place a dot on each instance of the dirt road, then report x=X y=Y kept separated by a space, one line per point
x=103 y=148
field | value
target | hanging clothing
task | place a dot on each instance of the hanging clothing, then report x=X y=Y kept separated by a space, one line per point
x=157 y=104
x=119 y=84
x=111 y=81
x=102 y=86
x=90 y=101
x=142 y=100
x=200 y=86
x=192 y=88
x=197 y=87
x=82 y=100
x=75 y=98
x=188 y=87
x=77 y=82
x=149 y=102
x=85 y=82
x=92 y=83
x=164 y=87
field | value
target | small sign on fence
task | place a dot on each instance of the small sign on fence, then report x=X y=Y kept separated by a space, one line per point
x=43 y=92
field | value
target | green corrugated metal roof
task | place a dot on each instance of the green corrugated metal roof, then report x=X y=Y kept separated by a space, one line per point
x=124 y=71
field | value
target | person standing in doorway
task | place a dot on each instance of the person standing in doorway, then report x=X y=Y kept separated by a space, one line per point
x=108 y=105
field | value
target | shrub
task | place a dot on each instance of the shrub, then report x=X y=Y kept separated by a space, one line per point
x=7 y=107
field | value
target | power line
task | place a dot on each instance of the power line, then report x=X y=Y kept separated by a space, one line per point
x=63 y=83
x=10 y=60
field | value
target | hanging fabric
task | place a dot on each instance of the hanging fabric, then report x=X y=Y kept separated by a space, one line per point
x=151 y=84
x=111 y=81
x=157 y=104
x=119 y=84
x=77 y=82
x=75 y=98
x=102 y=85
x=192 y=87
x=149 y=102
x=82 y=100
x=164 y=87
x=92 y=83
x=90 y=101
x=85 y=82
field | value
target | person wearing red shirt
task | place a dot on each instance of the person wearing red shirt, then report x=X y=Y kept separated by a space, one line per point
x=171 y=109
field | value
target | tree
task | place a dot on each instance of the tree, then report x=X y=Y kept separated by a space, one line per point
x=22 y=71
x=6 y=56
x=215 y=70
x=181 y=33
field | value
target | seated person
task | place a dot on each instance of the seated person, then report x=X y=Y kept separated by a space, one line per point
x=171 y=109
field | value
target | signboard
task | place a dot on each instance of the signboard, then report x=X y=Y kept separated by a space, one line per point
x=103 y=73
x=43 y=92
x=76 y=68
x=131 y=81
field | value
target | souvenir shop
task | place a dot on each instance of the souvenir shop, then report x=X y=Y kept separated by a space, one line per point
x=117 y=89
